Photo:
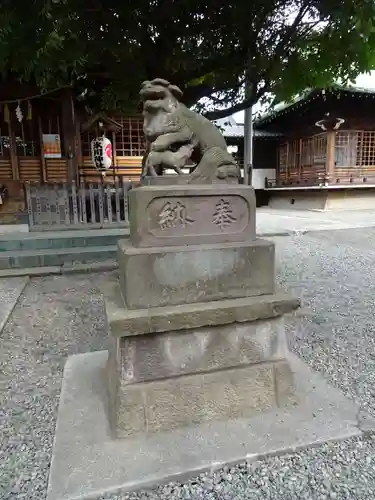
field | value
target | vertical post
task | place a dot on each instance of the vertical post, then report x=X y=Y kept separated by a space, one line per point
x=248 y=146
x=114 y=154
x=29 y=205
x=75 y=203
x=78 y=143
x=108 y=193
x=13 y=150
x=125 y=192
x=69 y=131
x=92 y=202
x=65 y=193
x=248 y=132
x=117 y=194
x=330 y=161
x=82 y=193
x=42 y=159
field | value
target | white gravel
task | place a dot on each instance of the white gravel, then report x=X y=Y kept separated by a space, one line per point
x=10 y=290
x=333 y=273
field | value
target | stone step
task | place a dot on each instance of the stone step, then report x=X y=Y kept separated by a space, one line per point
x=52 y=257
x=13 y=242
x=60 y=239
x=68 y=268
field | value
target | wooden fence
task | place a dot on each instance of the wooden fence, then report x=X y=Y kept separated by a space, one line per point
x=88 y=205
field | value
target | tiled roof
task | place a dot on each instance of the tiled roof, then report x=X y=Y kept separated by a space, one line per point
x=232 y=130
x=309 y=94
x=238 y=131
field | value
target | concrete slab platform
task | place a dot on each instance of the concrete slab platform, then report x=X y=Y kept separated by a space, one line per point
x=87 y=463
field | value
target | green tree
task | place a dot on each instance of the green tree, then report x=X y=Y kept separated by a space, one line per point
x=208 y=47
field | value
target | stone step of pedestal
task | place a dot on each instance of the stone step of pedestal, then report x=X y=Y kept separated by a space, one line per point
x=125 y=322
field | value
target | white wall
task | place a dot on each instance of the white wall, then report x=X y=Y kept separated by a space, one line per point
x=259 y=176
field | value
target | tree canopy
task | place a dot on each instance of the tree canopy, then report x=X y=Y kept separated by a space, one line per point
x=210 y=48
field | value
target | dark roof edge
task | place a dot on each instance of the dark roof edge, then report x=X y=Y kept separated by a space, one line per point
x=307 y=96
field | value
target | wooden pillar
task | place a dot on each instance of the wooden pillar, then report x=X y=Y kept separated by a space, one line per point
x=42 y=159
x=330 y=161
x=69 y=129
x=114 y=154
x=78 y=143
x=13 y=150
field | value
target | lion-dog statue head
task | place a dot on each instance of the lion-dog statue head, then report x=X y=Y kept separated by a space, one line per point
x=160 y=100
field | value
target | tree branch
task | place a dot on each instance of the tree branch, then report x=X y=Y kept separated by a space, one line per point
x=222 y=113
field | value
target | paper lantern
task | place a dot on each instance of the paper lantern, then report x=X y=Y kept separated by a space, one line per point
x=101 y=152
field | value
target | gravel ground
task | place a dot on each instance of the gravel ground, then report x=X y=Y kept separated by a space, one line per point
x=10 y=290
x=333 y=273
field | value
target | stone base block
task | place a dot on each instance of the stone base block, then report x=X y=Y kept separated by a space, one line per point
x=153 y=277
x=88 y=463
x=202 y=397
x=180 y=365
x=174 y=353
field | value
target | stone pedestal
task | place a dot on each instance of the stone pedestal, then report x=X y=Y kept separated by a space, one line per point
x=198 y=373
x=188 y=364
x=197 y=332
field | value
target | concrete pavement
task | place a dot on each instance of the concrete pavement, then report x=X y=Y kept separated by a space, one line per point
x=279 y=222
x=282 y=221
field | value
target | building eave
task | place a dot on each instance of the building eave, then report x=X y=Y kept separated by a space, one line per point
x=309 y=95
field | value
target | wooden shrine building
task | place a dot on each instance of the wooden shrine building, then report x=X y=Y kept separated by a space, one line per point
x=316 y=152
x=325 y=157
x=47 y=139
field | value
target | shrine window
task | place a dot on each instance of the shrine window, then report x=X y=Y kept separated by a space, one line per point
x=130 y=139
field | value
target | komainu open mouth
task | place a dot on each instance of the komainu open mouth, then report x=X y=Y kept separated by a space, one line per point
x=152 y=93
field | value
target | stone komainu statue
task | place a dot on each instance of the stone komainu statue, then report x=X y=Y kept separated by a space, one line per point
x=177 y=138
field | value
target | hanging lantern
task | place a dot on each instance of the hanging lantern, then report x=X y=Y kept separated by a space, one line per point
x=19 y=113
x=101 y=152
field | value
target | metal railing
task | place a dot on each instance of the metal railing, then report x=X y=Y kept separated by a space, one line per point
x=87 y=205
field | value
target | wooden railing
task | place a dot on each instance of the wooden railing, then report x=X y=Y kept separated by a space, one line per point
x=61 y=205
x=353 y=175
x=342 y=177
x=127 y=167
x=302 y=178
